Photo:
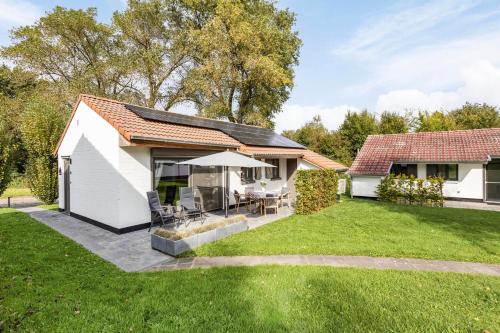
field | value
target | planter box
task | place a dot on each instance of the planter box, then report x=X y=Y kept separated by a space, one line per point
x=176 y=247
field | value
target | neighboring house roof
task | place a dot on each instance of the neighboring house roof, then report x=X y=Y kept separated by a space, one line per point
x=138 y=124
x=380 y=151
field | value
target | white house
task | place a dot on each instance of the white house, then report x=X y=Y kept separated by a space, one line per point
x=112 y=153
x=468 y=160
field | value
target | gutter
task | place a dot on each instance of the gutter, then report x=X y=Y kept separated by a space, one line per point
x=166 y=140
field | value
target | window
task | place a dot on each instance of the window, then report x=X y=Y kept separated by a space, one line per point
x=446 y=171
x=273 y=173
x=258 y=173
x=404 y=169
x=247 y=175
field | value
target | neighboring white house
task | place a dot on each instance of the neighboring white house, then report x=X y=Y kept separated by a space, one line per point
x=112 y=153
x=468 y=160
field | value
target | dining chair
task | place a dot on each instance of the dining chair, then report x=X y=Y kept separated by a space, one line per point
x=270 y=203
x=285 y=195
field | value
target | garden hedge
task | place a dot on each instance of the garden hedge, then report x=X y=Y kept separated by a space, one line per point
x=316 y=189
x=411 y=190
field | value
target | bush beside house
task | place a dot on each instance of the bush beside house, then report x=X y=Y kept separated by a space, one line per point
x=316 y=189
x=411 y=190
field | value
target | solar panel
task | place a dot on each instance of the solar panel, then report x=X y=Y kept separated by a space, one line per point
x=249 y=135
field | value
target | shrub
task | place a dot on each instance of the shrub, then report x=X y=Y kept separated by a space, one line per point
x=411 y=190
x=6 y=151
x=316 y=189
x=41 y=125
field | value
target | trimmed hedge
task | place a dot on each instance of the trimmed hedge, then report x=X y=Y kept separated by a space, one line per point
x=411 y=190
x=316 y=189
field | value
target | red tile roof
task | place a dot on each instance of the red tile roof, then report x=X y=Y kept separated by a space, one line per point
x=131 y=126
x=379 y=151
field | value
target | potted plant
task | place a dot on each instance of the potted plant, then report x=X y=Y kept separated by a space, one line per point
x=263 y=184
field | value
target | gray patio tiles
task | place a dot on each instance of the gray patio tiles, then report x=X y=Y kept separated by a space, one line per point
x=131 y=251
x=333 y=261
x=472 y=205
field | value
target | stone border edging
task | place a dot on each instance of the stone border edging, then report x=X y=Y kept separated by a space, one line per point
x=332 y=261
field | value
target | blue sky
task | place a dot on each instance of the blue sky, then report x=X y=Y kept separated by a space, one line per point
x=379 y=55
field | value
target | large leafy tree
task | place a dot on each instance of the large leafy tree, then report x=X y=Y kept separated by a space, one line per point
x=244 y=53
x=42 y=124
x=6 y=154
x=435 y=121
x=70 y=48
x=315 y=136
x=356 y=128
x=471 y=116
x=155 y=50
x=391 y=123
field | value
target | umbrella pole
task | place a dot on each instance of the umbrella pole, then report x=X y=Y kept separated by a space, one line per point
x=226 y=190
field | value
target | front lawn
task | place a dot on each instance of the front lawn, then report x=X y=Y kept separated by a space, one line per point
x=48 y=283
x=372 y=228
x=16 y=192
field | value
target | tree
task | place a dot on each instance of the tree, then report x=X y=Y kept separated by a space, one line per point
x=72 y=49
x=316 y=137
x=391 y=123
x=155 y=49
x=6 y=153
x=471 y=116
x=244 y=53
x=42 y=124
x=436 y=121
x=356 y=128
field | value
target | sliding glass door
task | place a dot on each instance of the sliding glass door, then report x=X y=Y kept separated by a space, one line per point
x=169 y=177
x=493 y=181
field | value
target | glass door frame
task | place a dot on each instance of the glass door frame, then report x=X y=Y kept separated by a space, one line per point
x=495 y=160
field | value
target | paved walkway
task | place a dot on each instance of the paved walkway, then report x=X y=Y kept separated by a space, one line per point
x=131 y=251
x=18 y=202
x=333 y=261
x=471 y=205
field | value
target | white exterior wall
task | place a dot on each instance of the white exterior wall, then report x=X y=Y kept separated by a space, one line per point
x=135 y=169
x=108 y=183
x=468 y=186
x=304 y=165
x=92 y=144
x=365 y=186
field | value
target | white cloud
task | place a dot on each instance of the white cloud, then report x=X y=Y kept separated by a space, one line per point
x=479 y=83
x=17 y=13
x=394 y=27
x=294 y=116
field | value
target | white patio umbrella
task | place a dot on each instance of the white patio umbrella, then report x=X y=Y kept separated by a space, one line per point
x=227 y=159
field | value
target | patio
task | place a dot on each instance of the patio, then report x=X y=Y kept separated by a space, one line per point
x=254 y=220
x=131 y=251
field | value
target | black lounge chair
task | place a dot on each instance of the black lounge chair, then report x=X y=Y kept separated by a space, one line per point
x=190 y=208
x=157 y=210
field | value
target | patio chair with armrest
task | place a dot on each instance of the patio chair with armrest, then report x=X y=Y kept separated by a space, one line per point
x=157 y=210
x=270 y=202
x=285 y=195
x=242 y=199
x=190 y=208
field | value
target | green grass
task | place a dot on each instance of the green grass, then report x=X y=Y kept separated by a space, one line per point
x=16 y=192
x=48 y=283
x=54 y=207
x=366 y=227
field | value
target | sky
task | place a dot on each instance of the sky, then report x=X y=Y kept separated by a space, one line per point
x=377 y=55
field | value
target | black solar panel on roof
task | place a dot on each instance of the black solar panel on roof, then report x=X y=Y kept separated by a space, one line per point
x=249 y=135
